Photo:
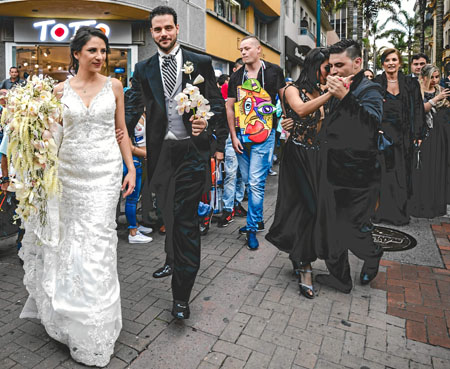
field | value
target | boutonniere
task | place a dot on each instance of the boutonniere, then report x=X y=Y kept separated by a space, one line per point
x=192 y=99
x=188 y=68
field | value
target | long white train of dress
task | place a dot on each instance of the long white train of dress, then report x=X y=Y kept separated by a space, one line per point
x=71 y=264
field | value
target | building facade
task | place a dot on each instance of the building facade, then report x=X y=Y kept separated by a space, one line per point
x=300 y=30
x=35 y=35
x=229 y=21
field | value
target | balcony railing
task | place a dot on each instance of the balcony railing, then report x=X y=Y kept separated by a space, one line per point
x=303 y=31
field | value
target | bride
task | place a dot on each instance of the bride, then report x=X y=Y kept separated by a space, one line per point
x=71 y=264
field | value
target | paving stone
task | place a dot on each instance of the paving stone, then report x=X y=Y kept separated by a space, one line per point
x=256 y=344
x=347 y=325
x=326 y=330
x=25 y=357
x=305 y=359
x=386 y=359
x=331 y=349
x=354 y=344
x=178 y=346
x=215 y=358
x=231 y=349
x=258 y=360
x=359 y=363
x=256 y=311
x=254 y=262
x=7 y=363
x=233 y=363
x=376 y=339
x=303 y=335
x=439 y=363
x=232 y=331
x=255 y=326
x=323 y=364
x=54 y=360
x=218 y=303
x=277 y=322
x=281 y=340
x=282 y=358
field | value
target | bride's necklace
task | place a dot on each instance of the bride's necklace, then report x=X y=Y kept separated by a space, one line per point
x=392 y=81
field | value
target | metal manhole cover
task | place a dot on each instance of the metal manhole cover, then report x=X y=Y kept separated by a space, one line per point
x=392 y=239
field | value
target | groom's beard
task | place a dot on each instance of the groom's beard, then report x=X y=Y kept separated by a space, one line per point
x=168 y=48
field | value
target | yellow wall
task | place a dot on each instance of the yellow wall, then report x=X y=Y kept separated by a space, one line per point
x=222 y=41
x=268 y=7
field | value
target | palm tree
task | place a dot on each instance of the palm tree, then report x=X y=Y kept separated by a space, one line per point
x=422 y=11
x=377 y=32
x=439 y=32
x=350 y=8
x=408 y=25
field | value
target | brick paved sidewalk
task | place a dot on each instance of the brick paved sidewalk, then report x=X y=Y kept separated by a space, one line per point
x=421 y=294
x=246 y=313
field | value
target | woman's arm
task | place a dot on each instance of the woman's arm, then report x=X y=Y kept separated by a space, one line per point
x=130 y=179
x=303 y=109
x=139 y=151
x=58 y=92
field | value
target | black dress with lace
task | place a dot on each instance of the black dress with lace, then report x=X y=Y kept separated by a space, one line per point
x=293 y=229
x=429 y=198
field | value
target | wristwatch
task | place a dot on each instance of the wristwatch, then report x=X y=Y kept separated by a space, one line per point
x=4 y=180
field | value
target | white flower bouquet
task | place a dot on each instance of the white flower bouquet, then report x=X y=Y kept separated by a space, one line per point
x=192 y=99
x=32 y=113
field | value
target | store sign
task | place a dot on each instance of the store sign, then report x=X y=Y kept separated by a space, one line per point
x=62 y=30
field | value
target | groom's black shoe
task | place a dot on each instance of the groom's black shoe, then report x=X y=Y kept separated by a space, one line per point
x=180 y=310
x=164 y=271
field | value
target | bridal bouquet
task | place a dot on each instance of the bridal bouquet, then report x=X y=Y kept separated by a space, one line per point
x=192 y=99
x=31 y=115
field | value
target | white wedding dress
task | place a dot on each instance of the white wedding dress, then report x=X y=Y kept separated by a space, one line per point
x=71 y=264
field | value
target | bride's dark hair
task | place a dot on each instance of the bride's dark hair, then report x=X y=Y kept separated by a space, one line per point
x=310 y=75
x=83 y=35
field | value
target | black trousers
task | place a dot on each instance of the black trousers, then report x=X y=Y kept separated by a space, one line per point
x=178 y=182
x=354 y=208
x=354 y=177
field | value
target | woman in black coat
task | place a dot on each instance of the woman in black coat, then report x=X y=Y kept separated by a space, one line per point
x=404 y=122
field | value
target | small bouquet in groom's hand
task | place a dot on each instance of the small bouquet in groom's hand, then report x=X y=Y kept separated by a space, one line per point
x=192 y=99
x=31 y=115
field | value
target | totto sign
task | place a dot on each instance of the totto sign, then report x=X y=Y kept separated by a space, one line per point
x=60 y=32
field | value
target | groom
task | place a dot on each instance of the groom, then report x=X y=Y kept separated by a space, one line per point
x=178 y=146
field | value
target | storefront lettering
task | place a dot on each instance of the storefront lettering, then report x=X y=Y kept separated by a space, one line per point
x=60 y=32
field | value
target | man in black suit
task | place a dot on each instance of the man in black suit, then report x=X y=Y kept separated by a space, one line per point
x=178 y=146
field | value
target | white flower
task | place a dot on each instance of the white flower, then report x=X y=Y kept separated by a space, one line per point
x=188 y=67
x=191 y=90
x=183 y=103
x=204 y=112
x=199 y=79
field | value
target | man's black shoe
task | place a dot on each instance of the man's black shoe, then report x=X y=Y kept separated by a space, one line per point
x=244 y=230
x=239 y=211
x=330 y=281
x=366 y=278
x=180 y=310
x=165 y=271
x=225 y=219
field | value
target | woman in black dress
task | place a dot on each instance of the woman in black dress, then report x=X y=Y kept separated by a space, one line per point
x=293 y=228
x=429 y=197
x=404 y=122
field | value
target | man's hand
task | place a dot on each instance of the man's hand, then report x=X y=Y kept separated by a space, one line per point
x=219 y=156
x=287 y=123
x=4 y=186
x=198 y=125
x=338 y=86
x=237 y=146
x=119 y=135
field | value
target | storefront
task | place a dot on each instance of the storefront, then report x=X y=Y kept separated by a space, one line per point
x=295 y=55
x=41 y=47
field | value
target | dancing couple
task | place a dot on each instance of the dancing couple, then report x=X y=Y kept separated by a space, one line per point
x=71 y=267
x=329 y=173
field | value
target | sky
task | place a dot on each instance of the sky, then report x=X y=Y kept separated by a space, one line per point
x=407 y=5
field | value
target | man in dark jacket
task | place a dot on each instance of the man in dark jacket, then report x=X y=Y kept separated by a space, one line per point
x=353 y=172
x=179 y=145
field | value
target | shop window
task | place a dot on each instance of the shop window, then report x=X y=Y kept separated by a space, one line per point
x=54 y=61
x=294 y=11
x=231 y=10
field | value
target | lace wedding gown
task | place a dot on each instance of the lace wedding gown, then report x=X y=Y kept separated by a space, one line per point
x=71 y=264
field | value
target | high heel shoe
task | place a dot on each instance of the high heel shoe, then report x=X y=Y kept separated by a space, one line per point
x=306 y=290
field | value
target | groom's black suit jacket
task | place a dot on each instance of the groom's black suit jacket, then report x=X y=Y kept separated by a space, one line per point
x=147 y=90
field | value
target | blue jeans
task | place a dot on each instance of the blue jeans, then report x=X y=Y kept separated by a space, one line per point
x=254 y=165
x=233 y=186
x=132 y=200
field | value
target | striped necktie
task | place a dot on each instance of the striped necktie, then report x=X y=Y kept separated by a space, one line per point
x=169 y=71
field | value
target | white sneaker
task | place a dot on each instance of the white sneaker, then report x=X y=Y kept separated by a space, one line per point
x=144 y=230
x=139 y=238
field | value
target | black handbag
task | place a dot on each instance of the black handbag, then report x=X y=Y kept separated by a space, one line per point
x=383 y=141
